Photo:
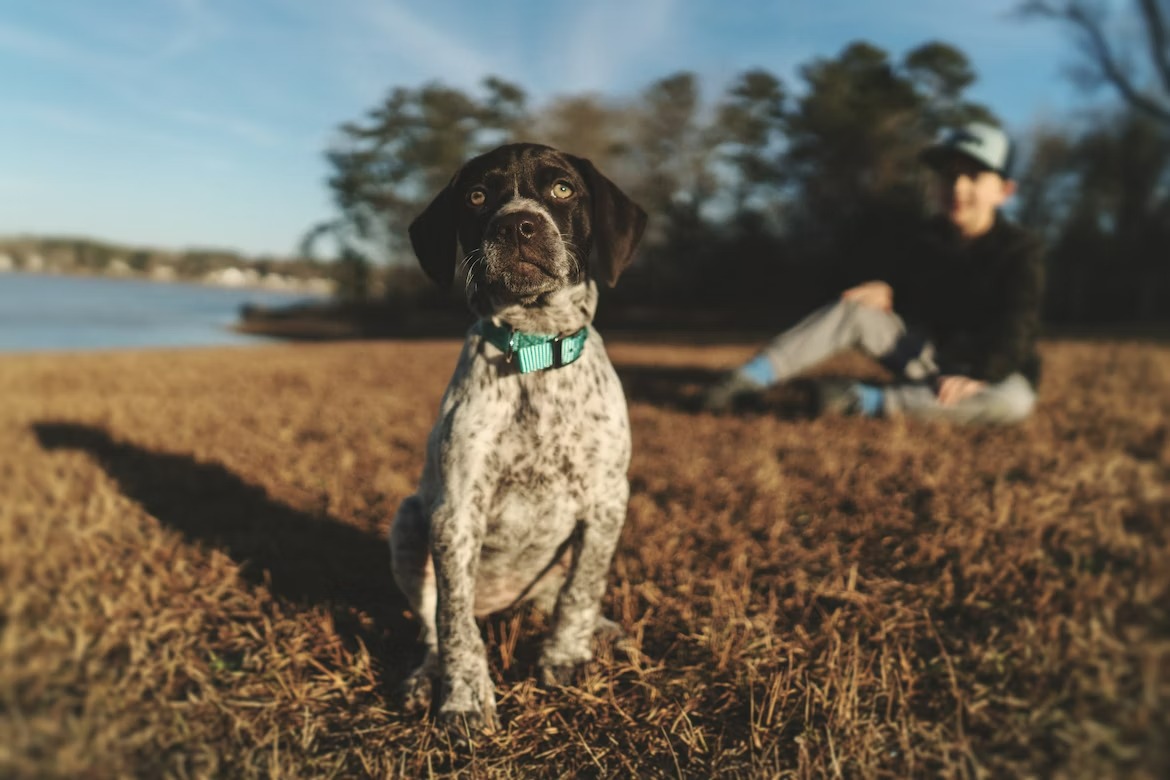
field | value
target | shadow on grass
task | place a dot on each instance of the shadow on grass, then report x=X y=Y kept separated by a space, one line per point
x=681 y=388
x=676 y=387
x=305 y=558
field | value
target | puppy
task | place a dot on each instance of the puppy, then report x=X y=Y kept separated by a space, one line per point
x=524 y=489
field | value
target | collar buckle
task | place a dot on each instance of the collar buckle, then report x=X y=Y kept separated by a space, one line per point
x=558 y=355
x=511 y=350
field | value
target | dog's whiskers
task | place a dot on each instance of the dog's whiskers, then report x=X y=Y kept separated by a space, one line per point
x=471 y=258
x=574 y=252
x=469 y=265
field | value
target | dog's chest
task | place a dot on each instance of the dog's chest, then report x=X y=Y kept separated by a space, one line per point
x=537 y=447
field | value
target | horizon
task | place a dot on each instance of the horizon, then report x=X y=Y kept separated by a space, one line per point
x=136 y=246
x=187 y=125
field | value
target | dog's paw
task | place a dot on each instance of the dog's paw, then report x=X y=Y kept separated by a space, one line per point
x=561 y=666
x=463 y=727
x=608 y=632
x=470 y=703
x=561 y=675
x=417 y=691
x=610 y=637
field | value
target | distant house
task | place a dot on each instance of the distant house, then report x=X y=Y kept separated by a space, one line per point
x=320 y=286
x=275 y=281
x=250 y=277
x=233 y=277
x=163 y=273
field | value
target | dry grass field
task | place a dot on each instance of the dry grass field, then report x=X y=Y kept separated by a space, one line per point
x=194 y=579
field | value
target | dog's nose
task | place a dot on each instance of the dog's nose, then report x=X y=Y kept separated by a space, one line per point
x=517 y=226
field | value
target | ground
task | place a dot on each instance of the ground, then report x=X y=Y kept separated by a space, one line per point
x=194 y=578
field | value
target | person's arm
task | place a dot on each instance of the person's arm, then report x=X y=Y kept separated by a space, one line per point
x=875 y=294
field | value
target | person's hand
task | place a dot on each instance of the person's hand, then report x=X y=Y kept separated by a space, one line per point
x=953 y=388
x=875 y=295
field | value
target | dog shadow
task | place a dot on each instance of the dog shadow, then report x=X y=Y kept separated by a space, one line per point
x=682 y=389
x=677 y=387
x=305 y=558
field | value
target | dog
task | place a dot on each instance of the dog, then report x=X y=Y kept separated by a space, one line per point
x=524 y=487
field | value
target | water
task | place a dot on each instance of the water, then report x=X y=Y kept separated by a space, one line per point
x=53 y=313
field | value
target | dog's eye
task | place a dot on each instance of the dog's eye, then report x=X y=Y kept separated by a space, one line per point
x=562 y=190
x=476 y=197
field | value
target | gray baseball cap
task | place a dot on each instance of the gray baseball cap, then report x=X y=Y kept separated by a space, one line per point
x=985 y=144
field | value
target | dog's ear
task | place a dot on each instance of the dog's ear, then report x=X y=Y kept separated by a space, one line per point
x=618 y=222
x=433 y=233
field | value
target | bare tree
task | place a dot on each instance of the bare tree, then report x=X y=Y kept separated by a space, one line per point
x=1143 y=83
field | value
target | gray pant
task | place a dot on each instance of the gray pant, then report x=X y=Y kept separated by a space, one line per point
x=848 y=325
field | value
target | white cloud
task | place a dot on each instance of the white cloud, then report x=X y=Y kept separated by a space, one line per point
x=587 y=46
x=427 y=47
x=604 y=37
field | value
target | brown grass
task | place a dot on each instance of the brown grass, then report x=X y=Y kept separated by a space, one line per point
x=194 y=579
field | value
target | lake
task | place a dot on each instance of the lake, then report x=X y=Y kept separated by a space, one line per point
x=53 y=313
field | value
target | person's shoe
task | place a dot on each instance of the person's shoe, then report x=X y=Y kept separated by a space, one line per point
x=848 y=397
x=729 y=393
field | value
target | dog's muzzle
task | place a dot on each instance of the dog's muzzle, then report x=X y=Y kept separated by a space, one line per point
x=525 y=253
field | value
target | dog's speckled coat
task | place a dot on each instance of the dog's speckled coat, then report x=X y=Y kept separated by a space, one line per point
x=524 y=489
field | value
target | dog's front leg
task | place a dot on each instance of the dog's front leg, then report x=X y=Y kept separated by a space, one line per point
x=468 y=698
x=578 y=610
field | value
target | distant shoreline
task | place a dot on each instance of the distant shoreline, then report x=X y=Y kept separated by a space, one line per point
x=177 y=280
x=221 y=267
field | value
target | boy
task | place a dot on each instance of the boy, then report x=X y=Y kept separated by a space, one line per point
x=956 y=319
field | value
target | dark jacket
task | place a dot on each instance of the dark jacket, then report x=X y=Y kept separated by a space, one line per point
x=978 y=301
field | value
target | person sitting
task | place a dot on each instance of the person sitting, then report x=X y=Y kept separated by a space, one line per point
x=956 y=317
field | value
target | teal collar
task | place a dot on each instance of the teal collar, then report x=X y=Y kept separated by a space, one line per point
x=533 y=351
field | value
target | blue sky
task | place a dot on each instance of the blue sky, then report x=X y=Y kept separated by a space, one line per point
x=178 y=123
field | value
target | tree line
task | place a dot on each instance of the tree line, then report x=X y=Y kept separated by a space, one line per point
x=764 y=196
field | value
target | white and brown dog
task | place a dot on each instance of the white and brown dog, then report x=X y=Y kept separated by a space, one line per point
x=523 y=493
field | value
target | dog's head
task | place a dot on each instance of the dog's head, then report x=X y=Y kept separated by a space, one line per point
x=527 y=218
